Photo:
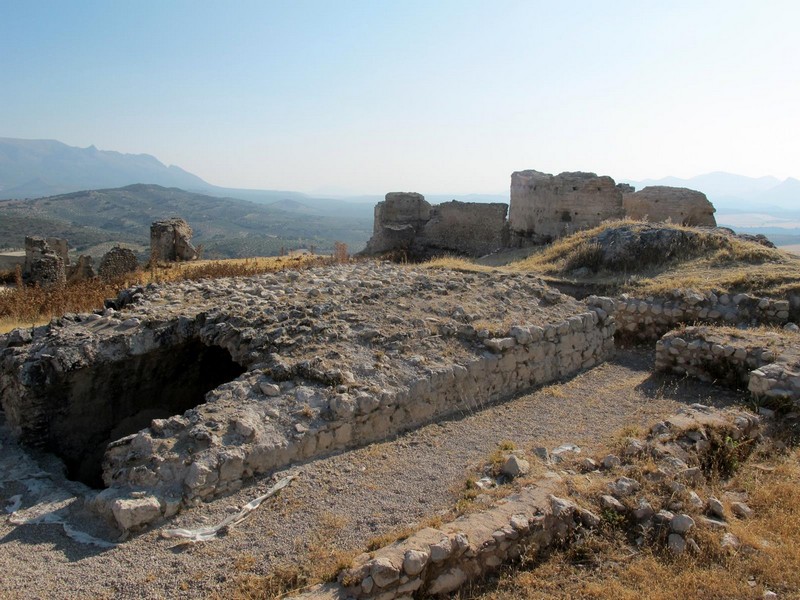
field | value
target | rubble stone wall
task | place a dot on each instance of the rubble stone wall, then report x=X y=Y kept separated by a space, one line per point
x=170 y=240
x=648 y=319
x=46 y=261
x=664 y=203
x=334 y=358
x=545 y=207
x=407 y=222
x=117 y=262
x=765 y=362
x=528 y=357
x=437 y=561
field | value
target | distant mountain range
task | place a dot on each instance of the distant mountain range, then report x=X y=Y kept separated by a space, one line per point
x=39 y=168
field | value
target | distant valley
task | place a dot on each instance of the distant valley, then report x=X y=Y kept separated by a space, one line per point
x=226 y=227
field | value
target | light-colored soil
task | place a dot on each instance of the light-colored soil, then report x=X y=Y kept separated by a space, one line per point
x=341 y=501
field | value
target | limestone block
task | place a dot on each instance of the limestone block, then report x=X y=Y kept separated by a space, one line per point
x=133 y=512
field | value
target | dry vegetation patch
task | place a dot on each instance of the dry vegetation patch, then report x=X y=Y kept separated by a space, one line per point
x=607 y=563
x=23 y=306
x=699 y=258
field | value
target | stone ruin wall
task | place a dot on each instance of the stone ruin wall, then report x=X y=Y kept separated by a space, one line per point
x=546 y=207
x=117 y=262
x=681 y=206
x=436 y=561
x=46 y=261
x=646 y=319
x=275 y=413
x=764 y=362
x=543 y=208
x=406 y=222
x=170 y=241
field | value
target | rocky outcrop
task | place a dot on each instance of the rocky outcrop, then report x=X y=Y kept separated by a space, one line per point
x=545 y=207
x=170 y=241
x=117 y=262
x=405 y=222
x=663 y=203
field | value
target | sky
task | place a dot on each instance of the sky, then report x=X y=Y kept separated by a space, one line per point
x=435 y=96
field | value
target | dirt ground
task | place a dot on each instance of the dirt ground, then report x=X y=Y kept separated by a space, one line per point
x=339 y=502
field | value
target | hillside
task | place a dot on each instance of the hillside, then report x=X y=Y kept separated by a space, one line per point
x=226 y=227
x=34 y=168
x=38 y=168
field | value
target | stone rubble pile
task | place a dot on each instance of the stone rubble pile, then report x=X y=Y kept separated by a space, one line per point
x=334 y=357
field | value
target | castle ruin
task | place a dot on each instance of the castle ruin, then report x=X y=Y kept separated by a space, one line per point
x=543 y=208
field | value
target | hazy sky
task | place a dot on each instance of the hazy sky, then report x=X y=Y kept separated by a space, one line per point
x=434 y=96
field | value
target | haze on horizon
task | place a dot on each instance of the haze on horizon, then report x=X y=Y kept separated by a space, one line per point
x=354 y=97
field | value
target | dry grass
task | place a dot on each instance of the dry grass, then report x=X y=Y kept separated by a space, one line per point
x=23 y=306
x=606 y=565
x=321 y=561
x=453 y=263
x=708 y=261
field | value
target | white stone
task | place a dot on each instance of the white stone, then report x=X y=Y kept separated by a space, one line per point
x=414 y=561
x=134 y=512
x=447 y=582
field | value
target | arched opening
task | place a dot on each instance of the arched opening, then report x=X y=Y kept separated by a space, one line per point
x=105 y=402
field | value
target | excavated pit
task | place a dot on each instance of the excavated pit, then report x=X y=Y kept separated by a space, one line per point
x=94 y=406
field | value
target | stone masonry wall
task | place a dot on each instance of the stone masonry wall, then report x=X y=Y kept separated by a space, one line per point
x=545 y=207
x=648 y=319
x=328 y=359
x=468 y=228
x=765 y=362
x=437 y=561
x=528 y=357
x=681 y=206
x=406 y=222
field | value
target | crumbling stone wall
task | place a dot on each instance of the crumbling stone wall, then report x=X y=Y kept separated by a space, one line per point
x=46 y=261
x=545 y=207
x=645 y=319
x=170 y=240
x=436 y=561
x=765 y=362
x=117 y=262
x=406 y=222
x=82 y=270
x=663 y=203
x=400 y=349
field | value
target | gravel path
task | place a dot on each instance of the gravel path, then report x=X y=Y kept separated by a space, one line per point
x=340 y=501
